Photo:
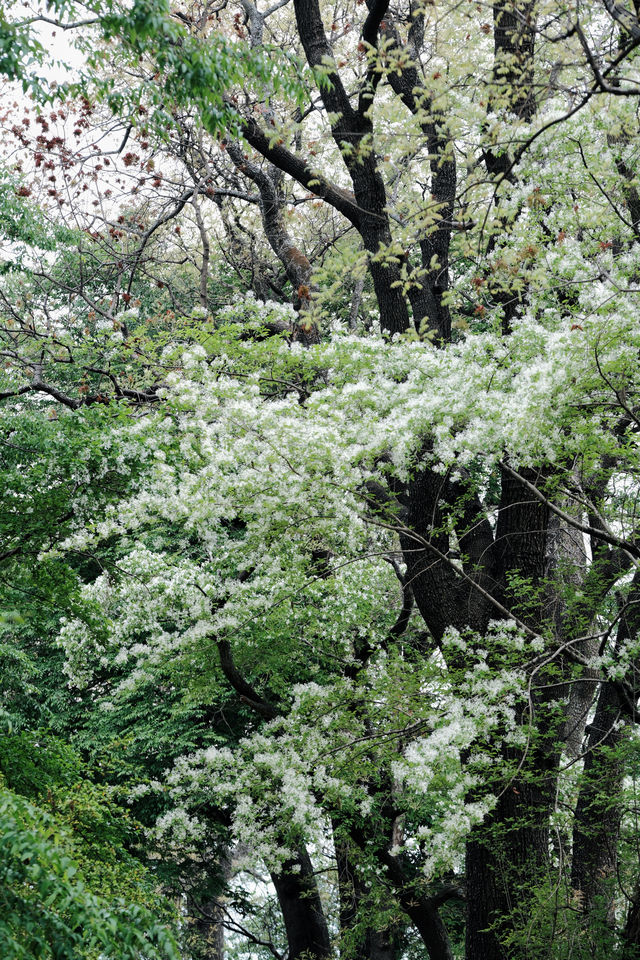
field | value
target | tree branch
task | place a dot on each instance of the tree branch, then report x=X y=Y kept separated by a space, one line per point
x=629 y=546
x=298 y=169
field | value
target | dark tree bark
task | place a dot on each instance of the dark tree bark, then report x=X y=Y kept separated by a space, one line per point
x=295 y=884
x=209 y=924
x=631 y=933
x=501 y=574
x=423 y=911
x=299 y=899
x=597 y=818
x=598 y=810
x=366 y=207
x=514 y=37
x=427 y=293
x=350 y=128
x=296 y=264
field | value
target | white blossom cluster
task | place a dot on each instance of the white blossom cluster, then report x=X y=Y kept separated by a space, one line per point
x=252 y=524
x=281 y=783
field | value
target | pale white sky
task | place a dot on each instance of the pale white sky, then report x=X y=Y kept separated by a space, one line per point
x=57 y=42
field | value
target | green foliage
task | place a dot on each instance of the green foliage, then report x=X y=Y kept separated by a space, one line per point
x=48 y=910
x=22 y=222
x=70 y=888
x=19 y=49
x=209 y=529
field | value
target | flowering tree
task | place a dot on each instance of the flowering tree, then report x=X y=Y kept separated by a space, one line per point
x=269 y=534
x=388 y=581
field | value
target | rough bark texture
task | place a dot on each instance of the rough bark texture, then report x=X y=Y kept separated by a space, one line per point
x=299 y=899
x=631 y=934
x=508 y=568
x=599 y=810
x=514 y=43
x=296 y=264
x=358 y=940
x=431 y=280
x=597 y=819
x=210 y=929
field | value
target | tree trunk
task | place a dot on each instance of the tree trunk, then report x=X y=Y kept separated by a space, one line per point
x=297 y=266
x=597 y=817
x=210 y=929
x=599 y=810
x=358 y=940
x=302 y=912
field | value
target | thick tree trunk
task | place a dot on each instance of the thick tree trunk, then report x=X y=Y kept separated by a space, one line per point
x=434 y=248
x=210 y=929
x=597 y=817
x=506 y=858
x=486 y=893
x=508 y=854
x=444 y=598
x=631 y=933
x=514 y=43
x=598 y=810
x=520 y=553
x=427 y=293
x=350 y=945
x=302 y=912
